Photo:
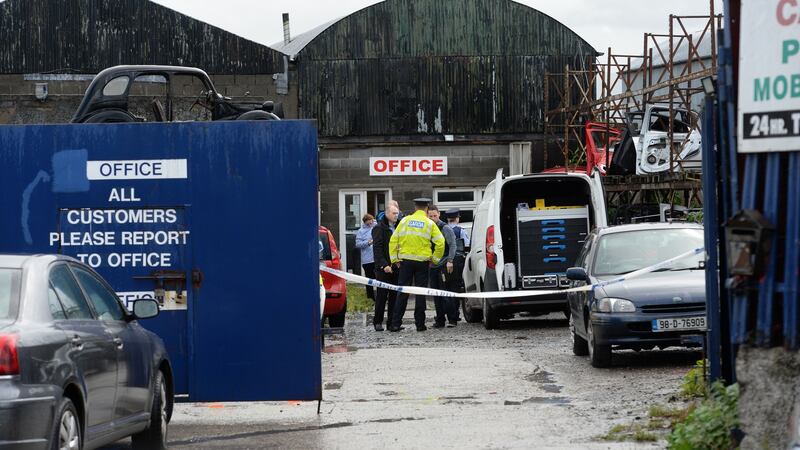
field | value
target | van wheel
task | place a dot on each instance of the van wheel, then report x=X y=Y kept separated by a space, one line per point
x=490 y=319
x=471 y=315
x=599 y=355
x=579 y=345
x=66 y=427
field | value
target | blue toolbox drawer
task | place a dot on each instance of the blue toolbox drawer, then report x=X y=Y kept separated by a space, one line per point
x=548 y=241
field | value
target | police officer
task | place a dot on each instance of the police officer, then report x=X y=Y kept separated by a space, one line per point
x=454 y=281
x=410 y=246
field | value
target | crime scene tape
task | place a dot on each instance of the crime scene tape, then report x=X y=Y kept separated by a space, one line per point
x=504 y=294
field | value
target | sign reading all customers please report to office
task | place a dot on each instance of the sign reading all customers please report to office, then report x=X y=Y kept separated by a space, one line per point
x=420 y=165
x=769 y=76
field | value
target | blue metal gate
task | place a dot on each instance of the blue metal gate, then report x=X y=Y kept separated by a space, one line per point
x=218 y=221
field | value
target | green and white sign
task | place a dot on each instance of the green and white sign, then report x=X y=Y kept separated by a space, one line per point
x=769 y=76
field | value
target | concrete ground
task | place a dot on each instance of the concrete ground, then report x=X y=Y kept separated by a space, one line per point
x=465 y=387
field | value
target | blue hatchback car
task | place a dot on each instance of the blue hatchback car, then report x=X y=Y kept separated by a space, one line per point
x=663 y=308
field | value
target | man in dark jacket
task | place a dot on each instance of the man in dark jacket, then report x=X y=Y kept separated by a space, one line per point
x=383 y=266
x=439 y=272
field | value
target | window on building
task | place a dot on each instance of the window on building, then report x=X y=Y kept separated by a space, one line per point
x=465 y=199
x=456 y=196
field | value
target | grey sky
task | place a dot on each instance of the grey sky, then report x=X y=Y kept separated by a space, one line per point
x=615 y=23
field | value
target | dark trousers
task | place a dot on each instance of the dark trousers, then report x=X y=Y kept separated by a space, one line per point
x=454 y=282
x=384 y=295
x=416 y=272
x=444 y=305
x=369 y=272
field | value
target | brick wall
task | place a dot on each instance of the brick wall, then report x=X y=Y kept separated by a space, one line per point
x=468 y=166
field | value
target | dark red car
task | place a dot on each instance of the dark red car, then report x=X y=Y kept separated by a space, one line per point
x=335 y=287
x=596 y=136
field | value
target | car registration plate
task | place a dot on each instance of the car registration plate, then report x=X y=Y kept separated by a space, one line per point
x=678 y=324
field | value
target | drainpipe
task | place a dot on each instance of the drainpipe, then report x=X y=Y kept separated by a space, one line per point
x=287 y=37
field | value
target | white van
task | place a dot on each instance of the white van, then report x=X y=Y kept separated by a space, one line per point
x=527 y=231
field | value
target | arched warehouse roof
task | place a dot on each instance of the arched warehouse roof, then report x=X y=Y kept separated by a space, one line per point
x=403 y=67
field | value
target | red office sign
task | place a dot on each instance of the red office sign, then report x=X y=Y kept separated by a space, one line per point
x=421 y=165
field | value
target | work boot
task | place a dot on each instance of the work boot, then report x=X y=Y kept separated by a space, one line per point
x=452 y=324
x=396 y=329
x=421 y=328
x=438 y=324
x=378 y=327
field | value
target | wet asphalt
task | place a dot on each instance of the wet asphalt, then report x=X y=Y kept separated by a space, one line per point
x=519 y=386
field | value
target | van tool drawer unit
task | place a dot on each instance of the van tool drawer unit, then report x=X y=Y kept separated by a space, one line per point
x=548 y=243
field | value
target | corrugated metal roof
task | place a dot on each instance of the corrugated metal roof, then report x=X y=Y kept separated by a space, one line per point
x=420 y=30
x=405 y=67
x=87 y=36
x=398 y=28
x=299 y=42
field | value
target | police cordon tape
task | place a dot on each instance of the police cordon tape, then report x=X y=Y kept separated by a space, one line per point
x=504 y=294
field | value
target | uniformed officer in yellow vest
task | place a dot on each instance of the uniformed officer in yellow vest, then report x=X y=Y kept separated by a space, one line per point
x=416 y=243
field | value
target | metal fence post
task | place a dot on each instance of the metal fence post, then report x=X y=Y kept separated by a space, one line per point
x=711 y=221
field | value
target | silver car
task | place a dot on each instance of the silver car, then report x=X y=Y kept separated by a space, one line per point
x=76 y=368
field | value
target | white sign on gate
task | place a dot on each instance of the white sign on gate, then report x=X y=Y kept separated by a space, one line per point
x=421 y=165
x=142 y=169
x=769 y=76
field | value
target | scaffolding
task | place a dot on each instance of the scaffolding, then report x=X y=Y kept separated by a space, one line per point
x=668 y=72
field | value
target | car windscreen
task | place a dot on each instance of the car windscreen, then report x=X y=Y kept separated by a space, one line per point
x=9 y=293
x=325 y=254
x=620 y=253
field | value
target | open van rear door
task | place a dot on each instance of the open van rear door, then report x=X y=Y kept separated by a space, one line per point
x=494 y=222
x=599 y=201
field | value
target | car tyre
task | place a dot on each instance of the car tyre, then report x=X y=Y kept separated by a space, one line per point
x=154 y=437
x=258 y=115
x=490 y=318
x=579 y=345
x=599 y=355
x=66 y=427
x=110 y=116
x=471 y=315
x=337 y=320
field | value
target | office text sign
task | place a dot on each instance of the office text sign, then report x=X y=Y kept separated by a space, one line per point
x=422 y=165
x=769 y=76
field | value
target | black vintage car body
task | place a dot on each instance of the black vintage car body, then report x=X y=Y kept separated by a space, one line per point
x=107 y=99
x=662 y=308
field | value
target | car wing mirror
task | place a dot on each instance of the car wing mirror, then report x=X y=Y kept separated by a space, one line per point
x=145 y=308
x=577 y=274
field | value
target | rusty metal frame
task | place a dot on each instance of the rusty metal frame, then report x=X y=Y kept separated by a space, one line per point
x=626 y=83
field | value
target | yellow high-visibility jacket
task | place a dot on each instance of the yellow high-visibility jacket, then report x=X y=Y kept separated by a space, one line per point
x=412 y=240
